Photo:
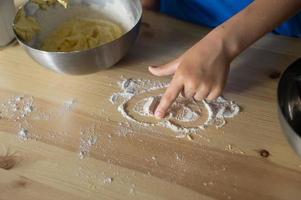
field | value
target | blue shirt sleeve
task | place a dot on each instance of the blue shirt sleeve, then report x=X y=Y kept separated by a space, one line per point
x=212 y=13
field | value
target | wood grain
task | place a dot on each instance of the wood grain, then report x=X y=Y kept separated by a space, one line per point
x=48 y=167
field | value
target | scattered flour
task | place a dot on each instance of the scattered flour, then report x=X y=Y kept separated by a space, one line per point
x=186 y=114
x=132 y=189
x=233 y=149
x=179 y=110
x=221 y=109
x=87 y=141
x=114 y=98
x=17 y=108
x=124 y=129
x=23 y=134
x=69 y=104
x=210 y=183
x=147 y=106
x=108 y=180
x=179 y=157
x=218 y=110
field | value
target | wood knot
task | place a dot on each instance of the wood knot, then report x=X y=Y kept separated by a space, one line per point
x=264 y=153
x=275 y=75
x=8 y=162
x=22 y=182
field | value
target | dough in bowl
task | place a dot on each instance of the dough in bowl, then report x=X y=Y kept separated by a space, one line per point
x=82 y=34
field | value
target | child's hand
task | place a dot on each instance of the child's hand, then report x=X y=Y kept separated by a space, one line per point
x=200 y=73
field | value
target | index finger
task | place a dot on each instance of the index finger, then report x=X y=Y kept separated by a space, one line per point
x=169 y=97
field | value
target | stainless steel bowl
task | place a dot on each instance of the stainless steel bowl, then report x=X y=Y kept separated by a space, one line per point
x=127 y=13
x=289 y=104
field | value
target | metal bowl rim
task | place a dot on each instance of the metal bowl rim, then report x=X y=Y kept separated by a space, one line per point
x=281 y=81
x=279 y=93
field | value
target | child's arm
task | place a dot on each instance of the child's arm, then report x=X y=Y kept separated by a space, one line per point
x=151 y=4
x=202 y=71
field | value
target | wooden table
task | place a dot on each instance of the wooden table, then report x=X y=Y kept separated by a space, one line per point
x=146 y=164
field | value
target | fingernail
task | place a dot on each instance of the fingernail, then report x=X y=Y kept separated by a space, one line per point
x=152 y=66
x=159 y=114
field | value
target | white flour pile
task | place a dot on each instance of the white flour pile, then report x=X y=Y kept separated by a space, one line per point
x=147 y=106
x=182 y=110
